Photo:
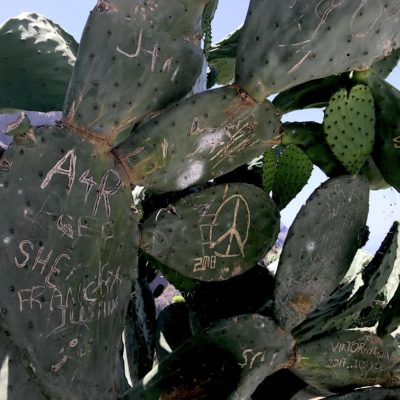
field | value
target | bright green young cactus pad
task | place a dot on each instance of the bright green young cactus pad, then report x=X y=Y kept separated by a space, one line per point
x=37 y=57
x=270 y=165
x=68 y=262
x=347 y=359
x=349 y=126
x=198 y=139
x=304 y=40
x=320 y=247
x=214 y=234
x=293 y=171
x=134 y=59
x=386 y=152
x=310 y=137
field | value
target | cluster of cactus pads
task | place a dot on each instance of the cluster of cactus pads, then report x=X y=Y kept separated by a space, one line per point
x=79 y=255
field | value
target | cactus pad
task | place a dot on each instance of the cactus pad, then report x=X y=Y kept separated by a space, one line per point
x=68 y=262
x=369 y=394
x=294 y=170
x=310 y=137
x=196 y=140
x=226 y=361
x=270 y=166
x=320 y=247
x=305 y=40
x=222 y=57
x=349 y=359
x=215 y=234
x=349 y=126
x=342 y=313
x=37 y=61
x=386 y=152
x=138 y=59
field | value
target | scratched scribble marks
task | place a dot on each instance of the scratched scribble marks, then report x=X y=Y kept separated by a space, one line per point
x=147 y=69
x=217 y=131
x=354 y=357
x=64 y=248
x=224 y=231
x=320 y=247
x=310 y=40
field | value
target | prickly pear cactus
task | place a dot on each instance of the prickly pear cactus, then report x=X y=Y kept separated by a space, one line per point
x=77 y=313
x=199 y=139
x=58 y=295
x=138 y=58
x=319 y=247
x=37 y=65
x=349 y=359
x=349 y=126
x=303 y=43
x=236 y=353
x=223 y=230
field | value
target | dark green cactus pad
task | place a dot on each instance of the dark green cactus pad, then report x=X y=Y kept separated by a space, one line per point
x=17 y=383
x=134 y=59
x=386 y=152
x=199 y=139
x=68 y=248
x=222 y=57
x=390 y=318
x=242 y=294
x=300 y=41
x=139 y=332
x=214 y=234
x=385 y=66
x=282 y=385
x=181 y=282
x=369 y=394
x=225 y=361
x=374 y=176
x=349 y=125
x=293 y=171
x=172 y=328
x=37 y=61
x=340 y=313
x=208 y=16
x=270 y=166
x=310 y=137
x=312 y=94
x=348 y=359
x=320 y=247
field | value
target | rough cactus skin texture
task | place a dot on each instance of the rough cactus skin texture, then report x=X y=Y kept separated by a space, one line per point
x=349 y=359
x=68 y=301
x=138 y=60
x=71 y=282
x=224 y=231
x=319 y=247
x=304 y=42
x=38 y=63
x=199 y=139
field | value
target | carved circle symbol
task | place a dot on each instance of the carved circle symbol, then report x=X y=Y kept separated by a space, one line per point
x=223 y=243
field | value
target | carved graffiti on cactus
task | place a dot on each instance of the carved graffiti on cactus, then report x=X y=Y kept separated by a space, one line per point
x=224 y=242
x=92 y=300
x=103 y=192
x=154 y=56
x=250 y=357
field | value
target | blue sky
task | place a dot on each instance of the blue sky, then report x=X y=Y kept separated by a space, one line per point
x=230 y=14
